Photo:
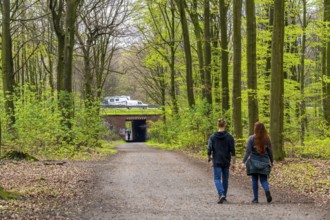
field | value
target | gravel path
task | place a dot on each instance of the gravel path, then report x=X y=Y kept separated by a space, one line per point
x=145 y=183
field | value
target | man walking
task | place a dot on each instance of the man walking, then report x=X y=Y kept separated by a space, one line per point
x=221 y=145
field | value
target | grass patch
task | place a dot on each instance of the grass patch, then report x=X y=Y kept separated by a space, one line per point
x=162 y=145
x=4 y=195
x=137 y=111
x=101 y=152
x=313 y=149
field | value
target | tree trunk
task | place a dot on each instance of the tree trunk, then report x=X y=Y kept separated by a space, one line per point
x=237 y=60
x=187 y=49
x=71 y=11
x=265 y=108
x=215 y=36
x=277 y=82
x=198 y=35
x=207 y=52
x=326 y=67
x=172 y=61
x=7 y=64
x=303 y=118
x=57 y=11
x=251 y=64
x=224 y=57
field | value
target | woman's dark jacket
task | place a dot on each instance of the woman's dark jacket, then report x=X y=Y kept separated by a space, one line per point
x=221 y=145
x=257 y=164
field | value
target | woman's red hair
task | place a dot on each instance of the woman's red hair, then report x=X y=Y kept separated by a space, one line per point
x=261 y=138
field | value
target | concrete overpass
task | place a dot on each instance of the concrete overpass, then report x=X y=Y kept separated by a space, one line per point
x=137 y=125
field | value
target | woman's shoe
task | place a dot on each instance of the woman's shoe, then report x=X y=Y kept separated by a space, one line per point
x=255 y=201
x=268 y=196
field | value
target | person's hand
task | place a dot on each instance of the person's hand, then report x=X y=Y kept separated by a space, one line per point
x=209 y=159
x=242 y=166
x=233 y=167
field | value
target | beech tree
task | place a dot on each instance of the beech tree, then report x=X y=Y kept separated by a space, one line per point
x=326 y=67
x=224 y=5
x=251 y=64
x=237 y=72
x=7 y=63
x=277 y=82
x=187 y=49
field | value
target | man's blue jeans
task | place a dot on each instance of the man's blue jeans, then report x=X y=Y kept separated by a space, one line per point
x=263 y=181
x=221 y=176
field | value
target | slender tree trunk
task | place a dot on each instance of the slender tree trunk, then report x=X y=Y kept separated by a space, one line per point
x=277 y=82
x=71 y=16
x=7 y=64
x=187 y=49
x=172 y=61
x=215 y=36
x=251 y=64
x=303 y=118
x=266 y=98
x=57 y=10
x=198 y=35
x=207 y=52
x=237 y=74
x=224 y=56
x=326 y=67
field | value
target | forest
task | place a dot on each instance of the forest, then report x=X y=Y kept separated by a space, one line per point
x=199 y=60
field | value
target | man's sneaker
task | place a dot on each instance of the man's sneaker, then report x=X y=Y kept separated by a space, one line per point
x=255 y=201
x=221 y=199
x=269 y=197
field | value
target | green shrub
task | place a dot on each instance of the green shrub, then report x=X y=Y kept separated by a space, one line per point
x=315 y=148
x=189 y=129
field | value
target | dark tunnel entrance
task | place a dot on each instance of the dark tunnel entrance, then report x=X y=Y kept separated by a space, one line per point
x=136 y=130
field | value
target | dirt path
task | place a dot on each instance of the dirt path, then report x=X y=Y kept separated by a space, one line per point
x=144 y=183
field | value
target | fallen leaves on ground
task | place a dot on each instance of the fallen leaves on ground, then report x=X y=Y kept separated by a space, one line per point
x=308 y=177
x=46 y=191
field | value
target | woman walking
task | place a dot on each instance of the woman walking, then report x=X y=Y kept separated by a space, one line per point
x=259 y=160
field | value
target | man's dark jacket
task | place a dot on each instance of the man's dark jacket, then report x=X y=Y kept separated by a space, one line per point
x=222 y=146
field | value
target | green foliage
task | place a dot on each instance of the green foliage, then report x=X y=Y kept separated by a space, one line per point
x=17 y=155
x=190 y=129
x=38 y=121
x=40 y=129
x=313 y=149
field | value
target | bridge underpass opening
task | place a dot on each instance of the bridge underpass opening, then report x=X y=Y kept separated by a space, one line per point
x=136 y=130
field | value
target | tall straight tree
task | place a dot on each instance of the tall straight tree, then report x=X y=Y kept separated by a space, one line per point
x=194 y=16
x=57 y=11
x=326 y=67
x=303 y=118
x=70 y=24
x=237 y=72
x=265 y=109
x=207 y=52
x=224 y=55
x=7 y=63
x=277 y=82
x=251 y=63
x=187 y=50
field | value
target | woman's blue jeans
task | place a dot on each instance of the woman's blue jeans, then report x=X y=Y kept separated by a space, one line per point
x=221 y=176
x=263 y=181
